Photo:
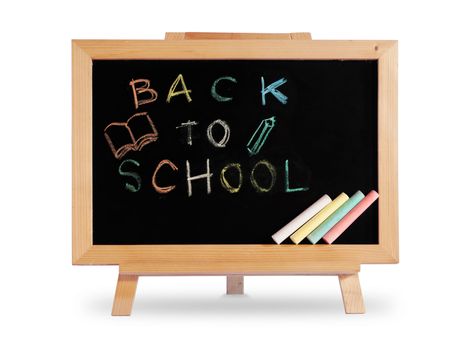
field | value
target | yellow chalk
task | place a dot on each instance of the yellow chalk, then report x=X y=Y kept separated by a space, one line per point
x=316 y=220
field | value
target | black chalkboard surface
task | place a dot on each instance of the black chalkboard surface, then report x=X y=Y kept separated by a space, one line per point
x=316 y=133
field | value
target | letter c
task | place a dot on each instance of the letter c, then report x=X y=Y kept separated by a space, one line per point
x=166 y=189
x=214 y=93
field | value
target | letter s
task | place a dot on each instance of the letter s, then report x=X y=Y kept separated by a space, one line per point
x=131 y=174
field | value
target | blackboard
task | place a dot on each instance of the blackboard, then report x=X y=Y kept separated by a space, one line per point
x=326 y=133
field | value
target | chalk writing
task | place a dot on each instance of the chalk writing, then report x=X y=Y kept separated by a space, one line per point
x=287 y=181
x=272 y=172
x=272 y=88
x=184 y=91
x=188 y=125
x=231 y=172
x=143 y=88
x=224 y=181
x=165 y=189
x=190 y=178
x=139 y=130
x=135 y=176
x=214 y=93
x=224 y=139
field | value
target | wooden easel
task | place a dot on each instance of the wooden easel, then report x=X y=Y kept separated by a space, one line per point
x=128 y=276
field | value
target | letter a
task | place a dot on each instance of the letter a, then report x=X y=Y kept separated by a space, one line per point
x=173 y=93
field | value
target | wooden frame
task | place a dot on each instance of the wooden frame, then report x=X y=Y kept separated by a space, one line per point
x=244 y=259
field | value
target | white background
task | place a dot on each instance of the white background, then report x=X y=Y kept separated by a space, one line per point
x=46 y=303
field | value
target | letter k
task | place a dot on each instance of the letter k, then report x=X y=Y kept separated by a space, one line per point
x=272 y=88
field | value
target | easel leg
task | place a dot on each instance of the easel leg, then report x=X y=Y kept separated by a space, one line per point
x=124 y=295
x=351 y=294
x=234 y=284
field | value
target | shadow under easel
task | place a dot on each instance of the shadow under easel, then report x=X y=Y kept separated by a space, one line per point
x=232 y=305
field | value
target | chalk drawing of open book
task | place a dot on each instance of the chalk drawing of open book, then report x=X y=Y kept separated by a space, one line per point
x=132 y=135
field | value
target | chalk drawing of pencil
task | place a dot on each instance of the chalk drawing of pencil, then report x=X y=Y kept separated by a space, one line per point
x=261 y=134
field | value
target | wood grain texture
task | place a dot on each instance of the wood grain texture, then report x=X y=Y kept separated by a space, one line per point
x=237 y=36
x=175 y=36
x=351 y=294
x=300 y=36
x=81 y=151
x=210 y=261
x=234 y=49
x=124 y=295
x=387 y=153
x=234 y=284
x=235 y=259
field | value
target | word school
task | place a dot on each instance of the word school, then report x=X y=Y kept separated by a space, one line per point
x=235 y=169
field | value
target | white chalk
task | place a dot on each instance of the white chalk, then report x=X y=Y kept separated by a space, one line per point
x=296 y=223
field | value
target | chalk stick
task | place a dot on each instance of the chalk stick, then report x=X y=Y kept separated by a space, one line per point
x=352 y=215
x=335 y=217
x=316 y=220
x=306 y=215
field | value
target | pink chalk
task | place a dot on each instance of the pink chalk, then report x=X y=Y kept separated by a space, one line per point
x=351 y=216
